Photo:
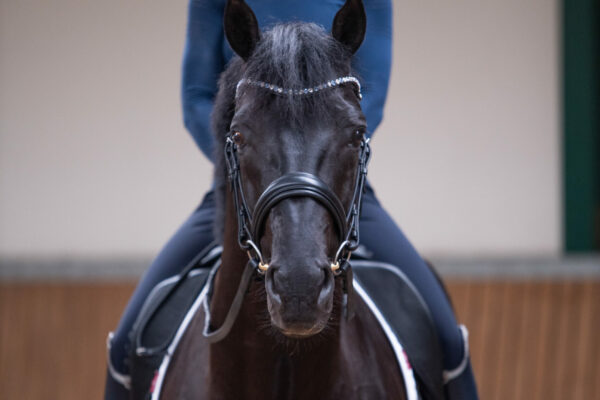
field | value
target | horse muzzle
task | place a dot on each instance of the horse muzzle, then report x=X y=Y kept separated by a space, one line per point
x=299 y=298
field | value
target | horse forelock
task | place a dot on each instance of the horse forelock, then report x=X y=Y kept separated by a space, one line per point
x=297 y=55
x=292 y=55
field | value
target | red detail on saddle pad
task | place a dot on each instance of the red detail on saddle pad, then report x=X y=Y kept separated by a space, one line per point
x=153 y=384
x=406 y=358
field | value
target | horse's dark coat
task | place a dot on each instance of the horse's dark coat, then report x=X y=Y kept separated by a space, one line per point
x=315 y=134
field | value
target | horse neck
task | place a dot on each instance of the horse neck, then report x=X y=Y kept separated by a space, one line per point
x=249 y=350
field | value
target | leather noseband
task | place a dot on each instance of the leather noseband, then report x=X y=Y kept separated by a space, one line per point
x=298 y=184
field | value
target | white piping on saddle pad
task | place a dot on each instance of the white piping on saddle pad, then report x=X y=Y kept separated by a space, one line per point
x=407 y=371
x=405 y=368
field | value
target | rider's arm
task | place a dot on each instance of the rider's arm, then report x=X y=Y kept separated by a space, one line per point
x=373 y=60
x=202 y=63
x=204 y=60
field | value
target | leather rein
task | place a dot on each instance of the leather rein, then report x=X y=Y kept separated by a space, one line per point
x=293 y=184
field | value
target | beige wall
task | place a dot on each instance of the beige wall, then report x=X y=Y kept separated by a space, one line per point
x=94 y=159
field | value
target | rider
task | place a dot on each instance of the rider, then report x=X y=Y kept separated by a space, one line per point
x=205 y=57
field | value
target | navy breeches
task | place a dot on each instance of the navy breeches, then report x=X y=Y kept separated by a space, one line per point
x=379 y=234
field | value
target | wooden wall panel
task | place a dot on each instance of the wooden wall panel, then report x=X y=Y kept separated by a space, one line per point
x=529 y=340
x=533 y=340
x=52 y=339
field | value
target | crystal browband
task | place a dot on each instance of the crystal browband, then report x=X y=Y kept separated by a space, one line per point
x=304 y=91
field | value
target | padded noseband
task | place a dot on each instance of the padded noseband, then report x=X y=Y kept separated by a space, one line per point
x=298 y=184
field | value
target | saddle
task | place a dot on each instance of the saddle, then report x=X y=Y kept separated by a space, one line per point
x=393 y=299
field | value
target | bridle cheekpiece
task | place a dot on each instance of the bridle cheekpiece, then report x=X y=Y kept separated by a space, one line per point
x=297 y=184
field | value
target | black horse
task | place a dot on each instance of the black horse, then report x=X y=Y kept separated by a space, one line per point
x=290 y=181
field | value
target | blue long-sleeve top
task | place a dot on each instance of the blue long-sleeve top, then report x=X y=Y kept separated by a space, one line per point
x=207 y=52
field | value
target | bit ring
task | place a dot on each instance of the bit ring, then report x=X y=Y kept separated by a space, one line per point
x=262 y=266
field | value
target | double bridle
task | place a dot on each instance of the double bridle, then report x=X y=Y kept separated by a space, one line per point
x=297 y=184
x=293 y=184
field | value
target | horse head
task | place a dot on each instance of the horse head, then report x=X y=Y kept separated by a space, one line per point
x=296 y=141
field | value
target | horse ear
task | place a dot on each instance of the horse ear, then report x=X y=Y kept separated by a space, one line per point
x=241 y=27
x=350 y=24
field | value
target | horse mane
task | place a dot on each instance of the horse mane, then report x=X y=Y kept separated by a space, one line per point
x=292 y=55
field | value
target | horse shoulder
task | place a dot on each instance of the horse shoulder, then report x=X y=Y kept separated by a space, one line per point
x=189 y=365
x=371 y=368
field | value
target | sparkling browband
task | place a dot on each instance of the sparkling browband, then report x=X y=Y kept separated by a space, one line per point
x=298 y=92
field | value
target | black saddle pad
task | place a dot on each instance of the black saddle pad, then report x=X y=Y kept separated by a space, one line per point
x=408 y=316
x=163 y=312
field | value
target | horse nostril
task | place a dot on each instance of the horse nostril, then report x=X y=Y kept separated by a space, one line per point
x=325 y=276
x=269 y=273
x=274 y=297
x=270 y=278
x=325 y=300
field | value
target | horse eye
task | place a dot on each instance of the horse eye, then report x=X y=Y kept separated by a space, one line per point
x=237 y=137
x=357 y=137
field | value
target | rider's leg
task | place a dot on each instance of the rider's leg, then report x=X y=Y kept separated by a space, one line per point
x=376 y=224
x=193 y=236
